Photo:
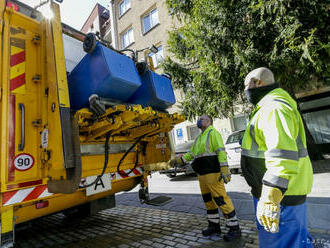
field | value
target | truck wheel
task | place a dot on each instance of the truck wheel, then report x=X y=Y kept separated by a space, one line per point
x=89 y=43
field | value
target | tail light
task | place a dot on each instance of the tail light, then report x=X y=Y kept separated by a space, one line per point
x=42 y=204
x=12 y=5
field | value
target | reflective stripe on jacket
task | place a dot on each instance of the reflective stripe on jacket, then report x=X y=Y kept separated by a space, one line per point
x=208 y=145
x=274 y=147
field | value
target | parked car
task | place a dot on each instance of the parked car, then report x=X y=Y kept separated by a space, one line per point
x=180 y=150
x=233 y=149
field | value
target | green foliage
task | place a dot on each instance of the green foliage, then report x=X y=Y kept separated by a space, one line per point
x=221 y=41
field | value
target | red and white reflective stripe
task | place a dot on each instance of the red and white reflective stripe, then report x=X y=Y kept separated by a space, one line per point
x=116 y=176
x=124 y=173
x=23 y=195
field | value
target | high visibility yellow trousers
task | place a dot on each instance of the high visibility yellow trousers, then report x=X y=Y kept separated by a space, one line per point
x=215 y=196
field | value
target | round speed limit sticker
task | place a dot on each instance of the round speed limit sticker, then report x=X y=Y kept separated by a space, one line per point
x=23 y=162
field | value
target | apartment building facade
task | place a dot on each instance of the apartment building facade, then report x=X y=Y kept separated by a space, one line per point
x=98 y=22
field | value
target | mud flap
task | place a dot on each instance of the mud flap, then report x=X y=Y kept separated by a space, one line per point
x=7 y=240
x=72 y=156
x=7 y=228
x=157 y=201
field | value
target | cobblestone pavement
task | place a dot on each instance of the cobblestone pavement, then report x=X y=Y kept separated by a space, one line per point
x=129 y=226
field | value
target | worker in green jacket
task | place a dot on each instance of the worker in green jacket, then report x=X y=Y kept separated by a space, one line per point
x=210 y=164
x=275 y=163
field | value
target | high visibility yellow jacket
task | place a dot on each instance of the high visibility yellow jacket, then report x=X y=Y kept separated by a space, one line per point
x=274 y=149
x=208 y=152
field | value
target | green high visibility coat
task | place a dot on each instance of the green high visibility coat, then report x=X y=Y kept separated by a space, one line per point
x=208 y=152
x=274 y=149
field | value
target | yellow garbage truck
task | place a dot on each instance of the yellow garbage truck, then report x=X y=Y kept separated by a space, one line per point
x=53 y=157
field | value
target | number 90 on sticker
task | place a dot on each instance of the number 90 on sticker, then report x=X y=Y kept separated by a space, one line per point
x=23 y=162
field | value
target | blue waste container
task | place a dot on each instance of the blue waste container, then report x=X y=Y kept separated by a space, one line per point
x=156 y=91
x=103 y=72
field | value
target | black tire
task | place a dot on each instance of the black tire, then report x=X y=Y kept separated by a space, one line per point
x=89 y=43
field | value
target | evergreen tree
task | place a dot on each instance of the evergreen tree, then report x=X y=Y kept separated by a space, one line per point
x=220 y=41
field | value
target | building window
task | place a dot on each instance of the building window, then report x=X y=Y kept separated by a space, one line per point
x=193 y=132
x=124 y=6
x=150 y=20
x=158 y=57
x=127 y=38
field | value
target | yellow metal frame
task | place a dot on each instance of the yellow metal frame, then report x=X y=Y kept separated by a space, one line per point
x=58 y=202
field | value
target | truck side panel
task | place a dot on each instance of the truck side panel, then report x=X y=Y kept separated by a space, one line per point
x=22 y=102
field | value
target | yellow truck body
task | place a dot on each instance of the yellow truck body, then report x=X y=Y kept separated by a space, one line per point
x=48 y=153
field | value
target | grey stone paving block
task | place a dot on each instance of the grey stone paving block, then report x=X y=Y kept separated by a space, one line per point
x=182 y=246
x=167 y=228
x=135 y=244
x=180 y=240
x=168 y=237
x=168 y=242
x=157 y=240
x=147 y=242
x=144 y=246
x=157 y=235
x=190 y=238
x=158 y=245
x=146 y=232
x=193 y=244
x=123 y=246
x=196 y=231
x=179 y=235
x=166 y=232
x=200 y=235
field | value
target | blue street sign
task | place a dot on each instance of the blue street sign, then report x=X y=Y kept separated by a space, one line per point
x=179 y=133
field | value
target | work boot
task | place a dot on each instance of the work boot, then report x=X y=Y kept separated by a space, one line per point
x=233 y=233
x=211 y=229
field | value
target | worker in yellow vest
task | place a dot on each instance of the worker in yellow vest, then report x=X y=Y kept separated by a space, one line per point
x=275 y=163
x=210 y=164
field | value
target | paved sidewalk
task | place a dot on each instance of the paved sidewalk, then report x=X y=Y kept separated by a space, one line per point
x=186 y=194
x=128 y=226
